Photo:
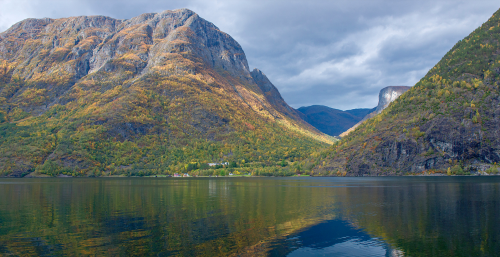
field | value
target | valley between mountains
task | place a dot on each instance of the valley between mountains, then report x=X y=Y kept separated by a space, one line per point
x=166 y=93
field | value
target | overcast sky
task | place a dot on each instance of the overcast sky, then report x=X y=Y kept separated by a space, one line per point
x=334 y=53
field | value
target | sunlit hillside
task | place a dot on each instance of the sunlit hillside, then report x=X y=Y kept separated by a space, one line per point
x=156 y=94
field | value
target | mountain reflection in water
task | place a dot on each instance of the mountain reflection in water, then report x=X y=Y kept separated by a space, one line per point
x=414 y=216
x=331 y=238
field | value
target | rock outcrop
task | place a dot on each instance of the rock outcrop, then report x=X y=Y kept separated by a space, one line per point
x=386 y=96
x=272 y=95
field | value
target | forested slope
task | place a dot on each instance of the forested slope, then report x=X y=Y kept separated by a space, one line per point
x=448 y=122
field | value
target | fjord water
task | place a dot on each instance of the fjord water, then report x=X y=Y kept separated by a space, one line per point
x=392 y=216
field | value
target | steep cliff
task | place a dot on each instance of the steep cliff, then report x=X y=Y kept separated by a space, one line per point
x=386 y=96
x=96 y=95
x=449 y=122
x=273 y=96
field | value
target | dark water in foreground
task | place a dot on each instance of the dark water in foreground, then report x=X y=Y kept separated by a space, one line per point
x=418 y=216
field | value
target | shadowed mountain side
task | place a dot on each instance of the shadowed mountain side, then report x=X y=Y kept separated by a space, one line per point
x=93 y=95
x=447 y=123
x=332 y=121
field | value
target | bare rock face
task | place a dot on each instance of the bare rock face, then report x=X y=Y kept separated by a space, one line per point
x=386 y=96
x=94 y=41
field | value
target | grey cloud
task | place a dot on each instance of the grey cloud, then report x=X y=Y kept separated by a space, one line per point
x=335 y=53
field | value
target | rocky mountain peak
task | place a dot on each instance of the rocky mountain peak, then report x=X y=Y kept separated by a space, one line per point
x=87 y=44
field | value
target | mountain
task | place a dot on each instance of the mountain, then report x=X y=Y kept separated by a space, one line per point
x=155 y=94
x=331 y=121
x=449 y=122
x=386 y=96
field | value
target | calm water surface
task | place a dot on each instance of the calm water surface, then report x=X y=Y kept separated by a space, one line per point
x=409 y=216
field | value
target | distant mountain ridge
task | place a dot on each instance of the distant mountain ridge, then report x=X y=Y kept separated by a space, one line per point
x=93 y=96
x=331 y=121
